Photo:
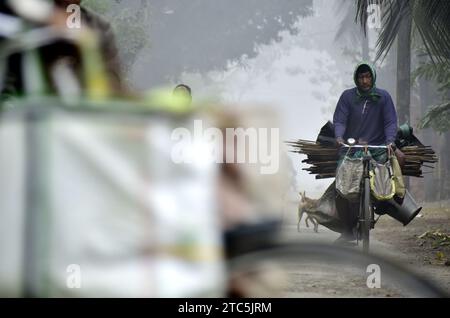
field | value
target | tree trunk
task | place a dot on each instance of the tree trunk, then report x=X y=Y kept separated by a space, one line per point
x=404 y=71
x=445 y=153
x=427 y=98
x=445 y=182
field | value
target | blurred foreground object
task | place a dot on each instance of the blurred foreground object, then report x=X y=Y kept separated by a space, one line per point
x=93 y=202
x=49 y=58
x=92 y=195
x=98 y=189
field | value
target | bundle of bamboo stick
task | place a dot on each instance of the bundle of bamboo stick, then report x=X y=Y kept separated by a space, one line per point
x=417 y=157
x=323 y=158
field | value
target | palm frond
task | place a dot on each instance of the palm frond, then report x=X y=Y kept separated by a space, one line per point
x=361 y=12
x=437 y=117
x=431 y=18
x=438 y=71
x=394 y=13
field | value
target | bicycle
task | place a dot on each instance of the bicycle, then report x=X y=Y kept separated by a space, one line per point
x=366 y=219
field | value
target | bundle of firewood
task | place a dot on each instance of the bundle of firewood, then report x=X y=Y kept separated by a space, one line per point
x=323 y=158
x=417 y=157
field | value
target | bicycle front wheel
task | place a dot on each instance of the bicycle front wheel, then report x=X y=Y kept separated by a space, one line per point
x=366 y=217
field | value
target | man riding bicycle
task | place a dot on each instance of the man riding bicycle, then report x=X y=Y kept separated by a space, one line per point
x=367 y=114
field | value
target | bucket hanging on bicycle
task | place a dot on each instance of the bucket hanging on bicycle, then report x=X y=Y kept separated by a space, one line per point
x=405 y=211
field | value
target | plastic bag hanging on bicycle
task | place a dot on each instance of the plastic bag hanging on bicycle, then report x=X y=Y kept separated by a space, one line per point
x=382 y=185
x=350 y=173
x=386 y=180
x=348 y=178
x=400 y=188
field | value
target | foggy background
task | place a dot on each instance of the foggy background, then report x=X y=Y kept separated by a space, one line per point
x=294 y=56
x=94 y=187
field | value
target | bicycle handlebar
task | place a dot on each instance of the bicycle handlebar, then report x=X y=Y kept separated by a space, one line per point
x=363 y=146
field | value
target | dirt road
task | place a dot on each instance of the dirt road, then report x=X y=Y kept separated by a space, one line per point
x=427 y=255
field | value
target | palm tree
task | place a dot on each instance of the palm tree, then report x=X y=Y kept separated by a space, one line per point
x=404 y=65
x=430 y=19
x=397 y=22
x=438 y=115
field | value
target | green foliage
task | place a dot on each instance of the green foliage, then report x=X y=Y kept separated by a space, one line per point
x=129 y=27
x=437 y=116
x=431 y=20
x=438 y=71
x=99 y=6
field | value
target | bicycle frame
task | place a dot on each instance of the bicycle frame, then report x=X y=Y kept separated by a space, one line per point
x=366 y=219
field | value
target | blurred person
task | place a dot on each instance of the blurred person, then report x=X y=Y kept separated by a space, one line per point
x=183 y=94
x=46 y=12
x=21 y=14
x=37 y=11
x=107 y=40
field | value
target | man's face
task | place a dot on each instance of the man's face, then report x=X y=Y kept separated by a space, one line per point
x=364 y=81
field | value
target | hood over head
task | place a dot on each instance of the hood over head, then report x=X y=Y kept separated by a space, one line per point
x=362 y=68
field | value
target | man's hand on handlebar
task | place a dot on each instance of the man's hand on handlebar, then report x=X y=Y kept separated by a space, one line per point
x=340 y=141
x=392 y=147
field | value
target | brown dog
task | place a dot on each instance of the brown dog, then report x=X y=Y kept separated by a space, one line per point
x=303 y=207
